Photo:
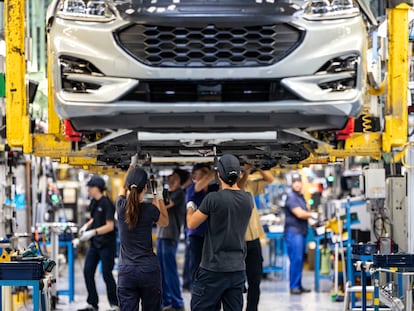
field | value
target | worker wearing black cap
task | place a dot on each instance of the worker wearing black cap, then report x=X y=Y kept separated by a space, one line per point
x=296 y=229
x=100 y=230
x=139 y=276
x=221 y=276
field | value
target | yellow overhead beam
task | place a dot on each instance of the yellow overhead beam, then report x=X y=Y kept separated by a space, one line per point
x=360 y=144
x=58 y=148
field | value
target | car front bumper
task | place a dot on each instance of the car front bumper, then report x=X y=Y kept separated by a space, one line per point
x=297 y=73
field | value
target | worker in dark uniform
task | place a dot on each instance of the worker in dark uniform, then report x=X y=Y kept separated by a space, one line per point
x=100 y=229
x=296 y=230
x=221 y=276
x=139 y=276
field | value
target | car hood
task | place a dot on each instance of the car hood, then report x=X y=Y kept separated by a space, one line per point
x=205 y=8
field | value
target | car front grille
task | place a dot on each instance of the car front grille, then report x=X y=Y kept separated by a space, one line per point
x=210 y=45
x=209 y=91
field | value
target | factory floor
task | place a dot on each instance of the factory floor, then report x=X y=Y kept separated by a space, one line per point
x=274 y=295
x=274 y=292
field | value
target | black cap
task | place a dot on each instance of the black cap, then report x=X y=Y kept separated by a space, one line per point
x=184 y=175
x=229 y=168
x=136 y=178
x=199 y=166
x=296 y=177
x=98 y=182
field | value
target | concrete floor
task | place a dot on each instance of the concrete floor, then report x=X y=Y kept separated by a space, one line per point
x=274 y=293
x=274 y=296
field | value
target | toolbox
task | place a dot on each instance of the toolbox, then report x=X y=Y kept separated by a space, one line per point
x=21 y=270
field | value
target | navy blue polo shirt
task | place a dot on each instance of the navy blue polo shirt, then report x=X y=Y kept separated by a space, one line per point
x=101 y=211
x=294 y=224
x=197 y=198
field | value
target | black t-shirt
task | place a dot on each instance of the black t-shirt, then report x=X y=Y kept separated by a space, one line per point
x=136 y=243
x=101 y=211
x=176 y=215
x=224 y=246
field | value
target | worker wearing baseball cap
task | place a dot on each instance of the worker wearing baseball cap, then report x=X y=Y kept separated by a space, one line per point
x=100 y=230
x=139 y=276
x=296 y=229
x=221 y=276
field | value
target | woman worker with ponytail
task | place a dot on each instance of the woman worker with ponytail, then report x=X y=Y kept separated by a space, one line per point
x=139 y=277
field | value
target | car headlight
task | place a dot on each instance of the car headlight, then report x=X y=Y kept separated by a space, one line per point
x=85 y=10
x=325 y=9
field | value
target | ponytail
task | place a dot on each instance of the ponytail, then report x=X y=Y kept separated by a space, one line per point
x=133 y=207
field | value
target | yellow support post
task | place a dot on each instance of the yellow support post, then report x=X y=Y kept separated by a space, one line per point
x=17 y=117
x=396 y=110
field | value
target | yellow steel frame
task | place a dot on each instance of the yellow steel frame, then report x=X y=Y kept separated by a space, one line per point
x=374 y=144
x=18 y=133
x=55 y=146
x=360 y=144
x=17 y=117
x=396 y=110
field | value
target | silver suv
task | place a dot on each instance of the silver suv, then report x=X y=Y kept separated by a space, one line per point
x=213 y=65
x=142 y=68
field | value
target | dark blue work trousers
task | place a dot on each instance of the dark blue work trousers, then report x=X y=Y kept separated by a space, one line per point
x=210 y=289
x=254 y=271
x=171 y=289
x=296 y=249
x=106 y=255
x=186 y=268
x=193 y=252
x=139 y=284
x=196 y=250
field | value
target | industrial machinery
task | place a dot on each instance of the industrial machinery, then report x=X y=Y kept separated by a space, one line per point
x=279 y=147
x=112 y=148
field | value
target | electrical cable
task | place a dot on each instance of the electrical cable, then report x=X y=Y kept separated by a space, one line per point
x=382 y=224
x=401 y=155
